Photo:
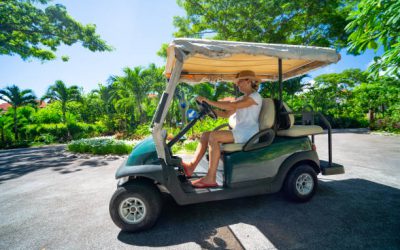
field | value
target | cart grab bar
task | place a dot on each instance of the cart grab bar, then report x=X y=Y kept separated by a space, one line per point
x=325 y=122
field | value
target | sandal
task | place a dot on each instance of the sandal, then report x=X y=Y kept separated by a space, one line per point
x=200 y=184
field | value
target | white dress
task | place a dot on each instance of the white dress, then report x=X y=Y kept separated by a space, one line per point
x=244 y=122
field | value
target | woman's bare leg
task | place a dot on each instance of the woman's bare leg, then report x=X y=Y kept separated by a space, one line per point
x=214 y=140
x=200 y=151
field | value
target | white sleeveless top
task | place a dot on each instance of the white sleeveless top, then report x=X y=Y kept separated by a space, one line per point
x=244 y=122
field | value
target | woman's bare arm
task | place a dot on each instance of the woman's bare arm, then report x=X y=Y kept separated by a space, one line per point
x=231 y=106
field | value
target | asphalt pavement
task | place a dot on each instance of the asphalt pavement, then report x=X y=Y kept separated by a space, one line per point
x=50 y=199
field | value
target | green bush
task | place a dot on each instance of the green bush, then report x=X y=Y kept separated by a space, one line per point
x=101 y=146
x=142 y=130
x=50 y=114
x=386 y=124
x=201 y=126
x=45 y=138
x=190 y=146
x=81 y=130
x=347 y=122
x=59 y=131
x=187 y=146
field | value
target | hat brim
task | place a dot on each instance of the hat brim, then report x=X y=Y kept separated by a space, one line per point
x=248 y=77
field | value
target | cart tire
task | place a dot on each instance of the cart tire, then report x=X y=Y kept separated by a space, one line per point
x=135 y=206
x=301 y=183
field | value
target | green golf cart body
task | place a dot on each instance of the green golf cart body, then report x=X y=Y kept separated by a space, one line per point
x=272 y=160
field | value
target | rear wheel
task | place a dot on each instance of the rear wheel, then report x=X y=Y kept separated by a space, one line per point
x=135 y=206
x=301 y=183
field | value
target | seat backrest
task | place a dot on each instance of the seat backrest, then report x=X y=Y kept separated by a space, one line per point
x=267 y=114
x=291 y=116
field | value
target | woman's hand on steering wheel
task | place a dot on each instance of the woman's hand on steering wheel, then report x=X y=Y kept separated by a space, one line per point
x=202 y=101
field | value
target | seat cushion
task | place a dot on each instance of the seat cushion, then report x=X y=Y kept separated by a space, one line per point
x=232 y=147
x=301 y=130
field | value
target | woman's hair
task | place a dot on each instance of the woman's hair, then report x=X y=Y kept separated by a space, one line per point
x=254 y=85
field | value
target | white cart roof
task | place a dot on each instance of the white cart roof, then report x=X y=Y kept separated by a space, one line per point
x=210 y=60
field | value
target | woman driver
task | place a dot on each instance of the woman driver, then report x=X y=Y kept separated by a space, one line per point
x=243 y=113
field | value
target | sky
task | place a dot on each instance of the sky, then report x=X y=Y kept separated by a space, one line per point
x=135 y=28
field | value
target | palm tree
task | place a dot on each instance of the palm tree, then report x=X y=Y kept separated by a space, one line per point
x=136 y=81
x=106 y=95
x=17 y=98
x=124 y=101
x=133 y=84
x=60 y=92
x=2 y=126
x=155 y=79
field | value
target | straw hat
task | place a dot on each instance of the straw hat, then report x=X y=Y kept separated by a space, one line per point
x=246 y=74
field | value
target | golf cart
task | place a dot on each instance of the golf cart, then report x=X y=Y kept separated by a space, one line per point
x=272 y=160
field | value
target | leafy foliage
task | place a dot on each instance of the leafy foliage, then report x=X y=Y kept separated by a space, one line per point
x=17 y=98
x=101 y=146
x=271 y=21
x=125 y=104
x=376 y=23
x=35 y=29
x=188 y=147
x=347 y=97
x=60 y=92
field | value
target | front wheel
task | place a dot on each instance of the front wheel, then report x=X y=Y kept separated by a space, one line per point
x=301 y=183
x=135 y=206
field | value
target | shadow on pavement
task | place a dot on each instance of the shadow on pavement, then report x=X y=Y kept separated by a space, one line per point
x=353 y=213
x=18 y=162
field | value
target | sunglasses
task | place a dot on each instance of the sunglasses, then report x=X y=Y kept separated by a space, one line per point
x=242 y=80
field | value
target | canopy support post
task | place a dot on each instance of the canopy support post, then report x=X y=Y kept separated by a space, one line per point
x=280 y=78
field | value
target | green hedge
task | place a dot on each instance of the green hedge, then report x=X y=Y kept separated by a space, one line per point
x=52 y=132
x=101 y=146
x=188 y=147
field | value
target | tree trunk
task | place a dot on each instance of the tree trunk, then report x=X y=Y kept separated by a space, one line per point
x=139 y=103
x=371 y=117
x=3 y=141
x=15 y=124
x=64 y=111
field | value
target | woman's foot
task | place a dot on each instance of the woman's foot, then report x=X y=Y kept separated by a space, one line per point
x=188 y=168
x=204 y=183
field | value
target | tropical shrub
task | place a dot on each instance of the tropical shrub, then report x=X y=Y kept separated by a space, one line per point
x=188 y=146
x=59 y=131
x=207 y=124
x=101 y=146
x=45 y=138
x=141 y=131
x=50 y=114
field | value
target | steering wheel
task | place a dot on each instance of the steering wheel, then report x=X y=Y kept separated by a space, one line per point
x=207 y=109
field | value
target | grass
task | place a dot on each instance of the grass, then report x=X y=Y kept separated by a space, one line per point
x=101 y=146
x=187 y=147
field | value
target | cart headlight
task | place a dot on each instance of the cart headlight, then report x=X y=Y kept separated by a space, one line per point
x=123 y=180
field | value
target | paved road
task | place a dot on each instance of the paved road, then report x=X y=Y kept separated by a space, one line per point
x=51 y=200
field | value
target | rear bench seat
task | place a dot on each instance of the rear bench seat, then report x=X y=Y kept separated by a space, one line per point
x=267 y=120
x=298 y=130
